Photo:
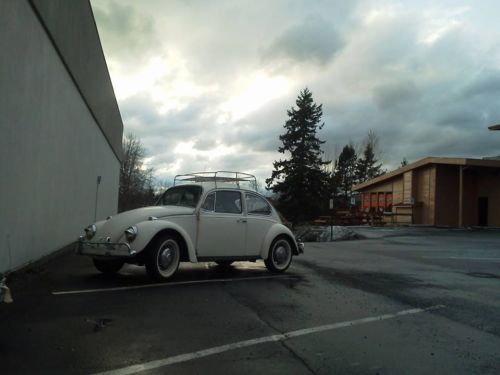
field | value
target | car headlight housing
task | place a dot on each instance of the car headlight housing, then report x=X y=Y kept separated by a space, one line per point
x=90 y=231
x=131 y=233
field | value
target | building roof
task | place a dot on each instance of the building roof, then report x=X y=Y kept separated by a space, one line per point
x=427 y=161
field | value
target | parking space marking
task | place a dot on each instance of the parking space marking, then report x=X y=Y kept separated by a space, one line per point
x=157 y=285
x=465 y=258
x=134 y=369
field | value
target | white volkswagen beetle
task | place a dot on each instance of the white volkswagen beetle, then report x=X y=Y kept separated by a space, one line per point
x=207 y=216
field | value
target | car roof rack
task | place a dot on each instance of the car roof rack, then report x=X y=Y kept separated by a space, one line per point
x=222 y=177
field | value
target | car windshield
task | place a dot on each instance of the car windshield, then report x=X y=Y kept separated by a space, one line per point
x=187 y=196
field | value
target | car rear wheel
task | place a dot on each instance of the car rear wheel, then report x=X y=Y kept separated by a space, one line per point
x=164 y=257
x=108 y=266
x=280 y=255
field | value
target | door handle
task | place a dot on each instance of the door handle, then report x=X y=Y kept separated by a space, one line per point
x=241 y=220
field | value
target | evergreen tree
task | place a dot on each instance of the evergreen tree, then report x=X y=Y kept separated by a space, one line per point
x=367 y=166
x=345 y=173
x=300 y=181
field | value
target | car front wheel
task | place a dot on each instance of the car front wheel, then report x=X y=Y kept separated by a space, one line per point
x=108 y=266
x=280 y=255
x=164 y=257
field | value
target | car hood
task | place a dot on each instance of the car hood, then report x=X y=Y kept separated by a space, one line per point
x=116 y=225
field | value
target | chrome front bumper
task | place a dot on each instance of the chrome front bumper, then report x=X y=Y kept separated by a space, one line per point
x=104 y=249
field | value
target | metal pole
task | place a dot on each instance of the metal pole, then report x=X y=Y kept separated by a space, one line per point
x=96 y=197
x=460 y=196
x=331 y=219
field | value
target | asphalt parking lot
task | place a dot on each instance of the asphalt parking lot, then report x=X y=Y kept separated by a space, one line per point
x=413 y=301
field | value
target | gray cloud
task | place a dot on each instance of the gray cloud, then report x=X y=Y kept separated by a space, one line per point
x=402 y=93
x=486 y=84
x=205 y=144
x=261 y=129
x=164 y=131
x=128 y=33
x=424 y=87
x=458 y=117
x=314 y=39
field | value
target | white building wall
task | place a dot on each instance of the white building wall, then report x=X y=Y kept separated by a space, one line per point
x=51 y=148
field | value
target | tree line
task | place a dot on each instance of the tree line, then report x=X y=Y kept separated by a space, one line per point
x=137 y=183
x=303 y=182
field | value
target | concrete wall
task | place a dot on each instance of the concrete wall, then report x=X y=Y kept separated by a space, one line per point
x=72 y=27
x=51 y=146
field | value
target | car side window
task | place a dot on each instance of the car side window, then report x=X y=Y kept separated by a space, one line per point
x=209 y=204
x=228 y=202
x=256 y=205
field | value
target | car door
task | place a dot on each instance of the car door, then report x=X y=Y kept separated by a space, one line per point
x=222 y=225
x=259 y=221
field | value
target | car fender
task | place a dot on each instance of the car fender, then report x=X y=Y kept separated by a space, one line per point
x=147 y=230
x=275 y=231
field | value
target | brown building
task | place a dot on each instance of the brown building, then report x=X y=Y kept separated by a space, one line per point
x=437 y=191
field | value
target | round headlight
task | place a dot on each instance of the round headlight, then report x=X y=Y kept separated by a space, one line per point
x=90 y=231
x=131 y=233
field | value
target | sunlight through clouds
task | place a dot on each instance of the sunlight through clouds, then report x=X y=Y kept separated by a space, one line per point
x=166 y=80
x=187 y=148
x=208 y=84
x=258 y=90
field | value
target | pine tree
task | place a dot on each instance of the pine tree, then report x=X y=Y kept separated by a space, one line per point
x=345 y=173
x=368 y=166
x=300 y=181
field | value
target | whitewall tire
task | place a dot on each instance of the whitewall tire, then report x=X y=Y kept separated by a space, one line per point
x=280 y=255
x=164 y=257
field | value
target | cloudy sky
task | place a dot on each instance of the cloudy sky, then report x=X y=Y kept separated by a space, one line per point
x=205 y=85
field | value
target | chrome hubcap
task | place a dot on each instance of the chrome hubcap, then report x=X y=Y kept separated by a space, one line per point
x=281 y=255
x=166 y=258
x=167 y=255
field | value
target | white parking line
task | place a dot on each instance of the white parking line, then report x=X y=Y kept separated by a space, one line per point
x=465 y=258
x=157 y=285
x=261 y=340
